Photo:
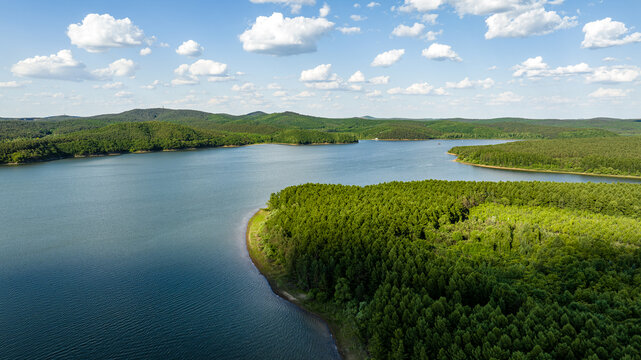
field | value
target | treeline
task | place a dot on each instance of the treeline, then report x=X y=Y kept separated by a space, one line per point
x=608 y=156
x=145 y=136
x=465 y=270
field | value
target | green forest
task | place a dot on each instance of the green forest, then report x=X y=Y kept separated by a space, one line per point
x=460 y=270
x=619 y=155
x=26 y=140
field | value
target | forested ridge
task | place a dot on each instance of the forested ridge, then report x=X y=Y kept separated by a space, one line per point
x=607 y=155
x=23 y=140
x=469 y=270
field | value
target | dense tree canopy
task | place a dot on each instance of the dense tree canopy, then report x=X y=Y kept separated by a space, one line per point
x=457 y=270
x=607 y=155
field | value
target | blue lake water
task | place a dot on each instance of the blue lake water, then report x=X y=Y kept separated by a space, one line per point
x=143 y=255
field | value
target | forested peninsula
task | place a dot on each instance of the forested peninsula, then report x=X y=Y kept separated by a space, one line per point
x=39 y=139
x=610 y=156
x=457 y=270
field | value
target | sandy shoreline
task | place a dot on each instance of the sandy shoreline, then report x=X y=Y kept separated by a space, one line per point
x=280 y=288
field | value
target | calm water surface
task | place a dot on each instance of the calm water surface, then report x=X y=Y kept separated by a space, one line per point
x=143 y=256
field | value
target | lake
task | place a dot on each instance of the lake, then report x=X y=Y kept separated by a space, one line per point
x=143 y=255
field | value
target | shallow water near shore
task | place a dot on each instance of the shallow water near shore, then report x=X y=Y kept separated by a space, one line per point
x=143 y=255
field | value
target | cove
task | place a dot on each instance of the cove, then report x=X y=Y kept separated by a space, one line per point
x=143 y=255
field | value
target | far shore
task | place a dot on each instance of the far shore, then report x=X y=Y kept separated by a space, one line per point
x=543 y=170
x=348 y=346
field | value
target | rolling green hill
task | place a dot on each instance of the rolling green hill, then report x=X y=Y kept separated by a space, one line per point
x=23 y=136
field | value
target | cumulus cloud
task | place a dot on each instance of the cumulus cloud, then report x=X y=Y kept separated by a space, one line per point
x=153 y=85
x=9 y=84
x=505 y=98
x=417 y=89
x=121 y=67
x=467 y=83
x=349 y=30
x=319 y=73
x=421 y=5
x=61 y=66
x=324 y=11
x=614 y=74
x=373 y=4
x=295 y=5
x=535 y=21
x=440 y=52
x=279 y=35
x=190 y=48
x=358 y=17
x=145 y=51
x=536 y=68
x=246 y=87
x=409 y=31
x=124 y=94
x=379 y=80
x=357 y=77
x=429 y=18
x=388 y=58
x=190 y=74
x=99 y=33
x=484 y=7
x=609 y=93
x=113 y=85
x=605 y=33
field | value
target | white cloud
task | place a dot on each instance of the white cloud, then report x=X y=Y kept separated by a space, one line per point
x=121 y=67
x=274 y=86
x=124 y=94
x=388 y=58
x=279 y=35
x=61 y=66
x=379 y=80
x=152 y=86
x=614 y=74
x=467 y=83
x=324 y=85
x=349 y=30
x=190 y=48
x=218 y=100
x=319 y=73
x=324 y=11
x=505 y=98
x=408 y=31
x=246 y=87
x=113 y=85
x=145 y=51
x=536 y=21
x=609 y=93
x=431 y=35
x=373 y=4
x=606 y=33
x=358 y=17
x=357 y=5
x=484 y=7
x=189 y=74
x=10 y=84
x=609 y=59
x=429 y=18
x=99 y=33
x=417 y=89
x=357 y=77
x=305 y=94
x=375 y=93
x=440 y=52
x=295 y=5
x=536 y=68
x=421 y=5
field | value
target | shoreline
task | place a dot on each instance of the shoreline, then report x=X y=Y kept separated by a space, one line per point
x=632 y=177
x=280 y=287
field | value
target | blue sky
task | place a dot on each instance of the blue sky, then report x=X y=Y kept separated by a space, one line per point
x=400 y=58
